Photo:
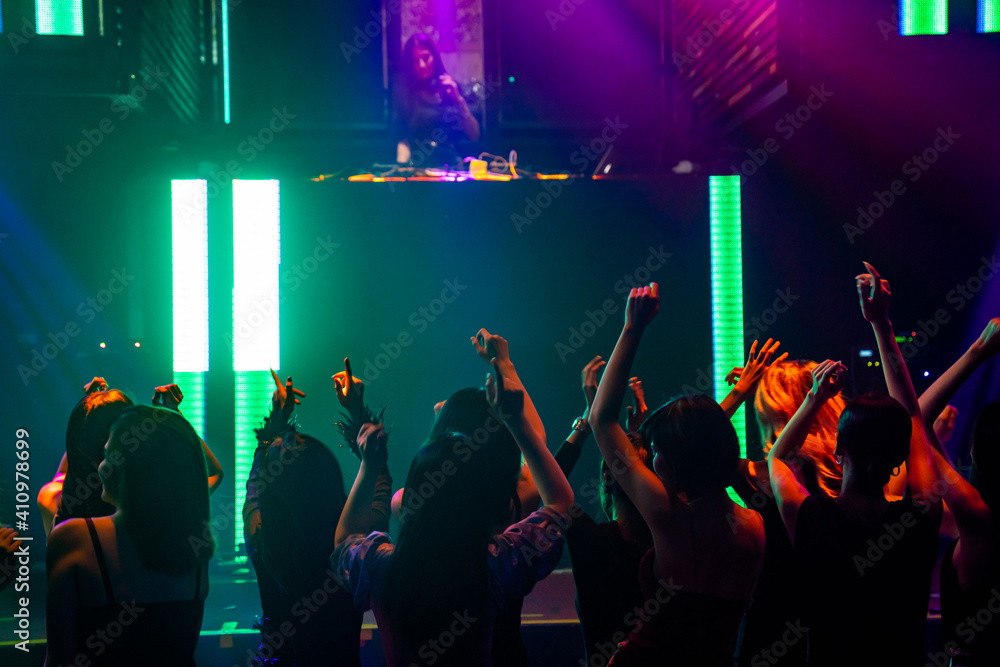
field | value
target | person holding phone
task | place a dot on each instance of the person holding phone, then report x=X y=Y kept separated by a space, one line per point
x=430 y=116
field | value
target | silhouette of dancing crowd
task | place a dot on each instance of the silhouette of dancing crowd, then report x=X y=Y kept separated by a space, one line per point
x=829 y=558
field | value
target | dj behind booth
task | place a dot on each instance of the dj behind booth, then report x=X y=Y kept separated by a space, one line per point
x=431 y=118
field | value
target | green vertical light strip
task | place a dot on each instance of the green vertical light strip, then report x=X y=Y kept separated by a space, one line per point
x=989 y=16
x=256 y=266
x=727 y=290
x=59 y=17
x=253 y=403
x=189 y=240
x=225 y=60
x=923 y=17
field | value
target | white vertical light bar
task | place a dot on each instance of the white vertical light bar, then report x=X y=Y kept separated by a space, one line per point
x=189 y=241
x=256 y=266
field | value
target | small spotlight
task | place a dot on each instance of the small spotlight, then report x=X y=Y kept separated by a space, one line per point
x=103 y=346
x=137 y=343
x=607 y=168
x=927 y=374
x=511 y=79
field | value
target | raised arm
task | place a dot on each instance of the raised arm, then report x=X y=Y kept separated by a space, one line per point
x=936 y=398
x=569 y=452
x=509 y=399
x=357 y=515
x=50 y=495
x=170 y=396
x=490 y=347
x=283 y=402
x=874 y=295
x=827 y=380
x=640 y=483
x=745 y=380
x=636 y=413
x=789 y=492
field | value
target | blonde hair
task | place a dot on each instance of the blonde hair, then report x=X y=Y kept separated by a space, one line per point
x=780 y=392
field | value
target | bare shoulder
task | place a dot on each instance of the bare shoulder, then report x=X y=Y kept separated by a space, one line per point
x=750 y=527
x=65 y=543
x=67 y=534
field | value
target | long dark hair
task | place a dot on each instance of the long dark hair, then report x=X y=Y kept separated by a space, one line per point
x=301 y=499
x=458 y=489
x=409 y=60
x=440 y=562
x=156 y=469
x=407 y=79
x=697 y=440
x=86 y=433
x=468 y=412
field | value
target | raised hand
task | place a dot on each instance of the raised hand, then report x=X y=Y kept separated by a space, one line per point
x=588 y=377
x=747 y=377
x=989 y=341
x=944 y=425
x=97 y=384
x=874 y=294
x=350 y=390
x=168 y=396
x=449 y=87
x=284 y=397
x=636 y=413
x=828 y=378
x=643 y=304
x=373 y=442
x=504 y=394
x=490 y=347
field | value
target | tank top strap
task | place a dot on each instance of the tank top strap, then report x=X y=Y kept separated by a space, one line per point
x=99 y=552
